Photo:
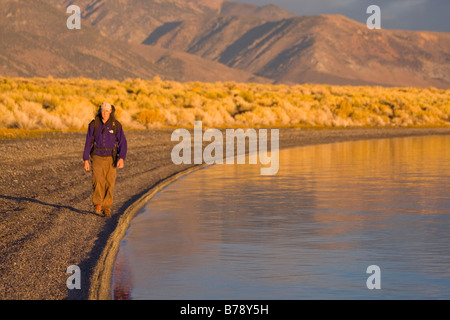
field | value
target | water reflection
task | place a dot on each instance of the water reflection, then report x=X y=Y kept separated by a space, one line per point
x=311 y=231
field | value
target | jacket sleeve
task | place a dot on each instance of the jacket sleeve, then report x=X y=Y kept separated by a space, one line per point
x=88 y=144
x=122 y=141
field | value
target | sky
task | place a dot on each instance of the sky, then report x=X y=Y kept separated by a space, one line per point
x=431 y=15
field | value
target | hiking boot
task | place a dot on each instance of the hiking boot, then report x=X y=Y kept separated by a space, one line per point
x=107 y=213
x=98 y=209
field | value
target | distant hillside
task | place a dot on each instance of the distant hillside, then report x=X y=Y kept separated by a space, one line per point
x=214 y=41
x=134 y=20
x=268 y=12
x=316 y=49
x=34 y=41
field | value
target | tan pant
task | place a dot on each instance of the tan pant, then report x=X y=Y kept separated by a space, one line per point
x=103 y=181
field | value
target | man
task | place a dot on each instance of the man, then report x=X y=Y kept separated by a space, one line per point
x=106 y=146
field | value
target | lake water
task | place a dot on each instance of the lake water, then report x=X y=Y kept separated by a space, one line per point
x=310 y=232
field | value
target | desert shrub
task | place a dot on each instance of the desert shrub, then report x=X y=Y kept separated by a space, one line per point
x=61 y=104
x=7 y=119
x=150 y=118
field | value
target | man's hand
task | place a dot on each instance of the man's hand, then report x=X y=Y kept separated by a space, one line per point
x=86 y=165
x=120 y=164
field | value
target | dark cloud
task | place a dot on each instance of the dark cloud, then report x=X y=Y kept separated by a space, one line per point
x=430 y=15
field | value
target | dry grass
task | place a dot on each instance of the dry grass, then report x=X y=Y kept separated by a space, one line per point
x=69 y=104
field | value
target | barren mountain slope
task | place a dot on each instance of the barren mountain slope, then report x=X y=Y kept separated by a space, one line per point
x=325 y=49
x=268 y=42
x=35 y=41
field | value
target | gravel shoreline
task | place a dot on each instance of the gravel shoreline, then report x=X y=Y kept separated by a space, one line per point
x=46 y=220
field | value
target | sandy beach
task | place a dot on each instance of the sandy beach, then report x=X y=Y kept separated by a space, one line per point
x=47 y=223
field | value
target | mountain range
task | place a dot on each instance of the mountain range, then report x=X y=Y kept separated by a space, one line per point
x=215 y=40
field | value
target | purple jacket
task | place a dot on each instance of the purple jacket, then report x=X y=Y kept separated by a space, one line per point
x=105 y=139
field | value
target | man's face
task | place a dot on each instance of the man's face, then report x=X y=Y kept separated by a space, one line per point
x=105 y=115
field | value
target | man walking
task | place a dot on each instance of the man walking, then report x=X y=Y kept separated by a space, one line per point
x=106 y=146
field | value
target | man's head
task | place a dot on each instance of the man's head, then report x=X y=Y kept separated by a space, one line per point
x=105 y=110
